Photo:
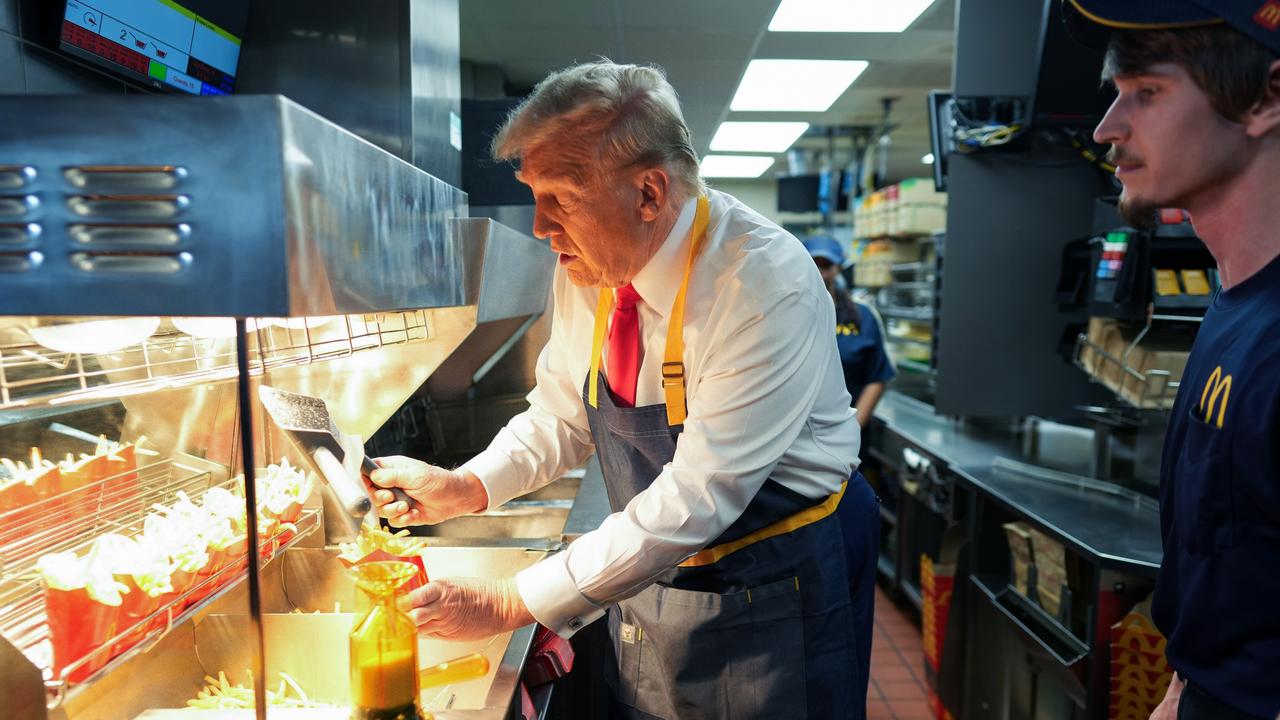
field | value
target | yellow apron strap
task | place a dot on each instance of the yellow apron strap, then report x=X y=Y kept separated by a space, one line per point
x=673 y=357
x=808 y=516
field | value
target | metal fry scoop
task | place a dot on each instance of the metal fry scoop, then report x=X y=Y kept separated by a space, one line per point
x=306 y=422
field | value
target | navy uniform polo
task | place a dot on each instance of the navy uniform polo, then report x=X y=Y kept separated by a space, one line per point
x=861 y=345
x=1217 y=598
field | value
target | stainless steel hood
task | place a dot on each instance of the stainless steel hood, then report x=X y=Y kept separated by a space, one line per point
x=236 y=206
x=250 y=206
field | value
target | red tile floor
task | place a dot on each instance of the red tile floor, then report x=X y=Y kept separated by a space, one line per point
x=897 y=690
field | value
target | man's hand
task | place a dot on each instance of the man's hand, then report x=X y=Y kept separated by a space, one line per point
x=467 y=608
x=1168 y=708
x=437 y=494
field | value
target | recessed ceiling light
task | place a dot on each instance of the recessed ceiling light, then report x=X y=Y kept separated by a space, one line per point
x=739 y=166
x=927 y=159
x=847 y=15
x=768 y=137
x=795 y=85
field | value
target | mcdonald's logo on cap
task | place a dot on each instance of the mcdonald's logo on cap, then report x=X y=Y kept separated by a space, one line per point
x=1217 y=386
x=1268 y=16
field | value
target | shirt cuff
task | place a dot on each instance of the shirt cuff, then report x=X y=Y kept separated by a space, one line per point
x=498 y=475
x=553 y=598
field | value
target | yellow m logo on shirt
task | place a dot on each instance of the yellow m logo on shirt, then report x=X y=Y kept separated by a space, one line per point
x=1217 y=386
x=1268 y=16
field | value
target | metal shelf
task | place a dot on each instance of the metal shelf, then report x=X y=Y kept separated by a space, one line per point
x=32 y=375
x=915 y=366
x=887 y=515
x=914 y=314
x=912 y=594
x=1158 y=388
x=1032 y=622
x=909 y=340
x=885 y=566
x=115 y=504
x=177 y=611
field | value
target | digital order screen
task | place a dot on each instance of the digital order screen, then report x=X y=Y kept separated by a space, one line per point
x=163 y=43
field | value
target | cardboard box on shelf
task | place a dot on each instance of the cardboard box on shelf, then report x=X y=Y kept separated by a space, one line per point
x=1154 y=356
x=1139 y=672
x=1100 y=331
x=1111 y=373
x=1153 y=360
x=1051 y=570
x=919 y=219
x=920 y=191
x=1021 y=554
x=911 y=208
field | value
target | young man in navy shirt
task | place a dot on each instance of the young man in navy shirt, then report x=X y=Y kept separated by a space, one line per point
x=1196 y=125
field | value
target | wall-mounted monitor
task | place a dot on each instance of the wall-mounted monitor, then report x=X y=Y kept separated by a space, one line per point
x=798 y=193
x=190 y=46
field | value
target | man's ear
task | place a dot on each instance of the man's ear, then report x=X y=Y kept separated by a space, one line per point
x=654 y=186
x=1264 y=116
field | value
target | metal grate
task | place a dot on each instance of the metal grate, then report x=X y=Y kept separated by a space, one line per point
x=72 y=520
x=1155 y=387
x=115 y=504
x=31 y=374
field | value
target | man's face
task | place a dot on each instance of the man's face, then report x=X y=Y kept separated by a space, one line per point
x=1170 y=147
x=594 y=225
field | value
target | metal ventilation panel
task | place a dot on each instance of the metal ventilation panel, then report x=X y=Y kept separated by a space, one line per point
x=236 y=206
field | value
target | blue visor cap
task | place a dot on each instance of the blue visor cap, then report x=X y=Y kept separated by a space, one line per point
x=826 y=247
x=1091 y=22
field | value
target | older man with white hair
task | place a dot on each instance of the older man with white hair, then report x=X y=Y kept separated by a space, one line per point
x=691 y=349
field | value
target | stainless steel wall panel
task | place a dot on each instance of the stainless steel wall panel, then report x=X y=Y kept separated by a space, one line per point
x=387 y=70
x=435 y=87
x=338 y=58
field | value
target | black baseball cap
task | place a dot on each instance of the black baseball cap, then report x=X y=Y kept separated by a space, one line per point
x=1092 y=21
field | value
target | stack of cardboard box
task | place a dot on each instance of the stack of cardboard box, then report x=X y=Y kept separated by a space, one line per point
x=1021 y=554
x=1051 y=571
x=1160 y=361
x=909 y=209
x=1140 y=675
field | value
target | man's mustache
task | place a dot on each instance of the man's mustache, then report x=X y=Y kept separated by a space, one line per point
x=1117 y=156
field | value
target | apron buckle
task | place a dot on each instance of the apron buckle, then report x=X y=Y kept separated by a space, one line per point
x=672 y=373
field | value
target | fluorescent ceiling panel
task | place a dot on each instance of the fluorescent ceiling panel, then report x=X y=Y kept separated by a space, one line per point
x=735 y=166
x=795 y=85
x=767 y=137
x=847 y=15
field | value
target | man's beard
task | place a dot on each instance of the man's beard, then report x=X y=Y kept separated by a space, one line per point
x=1138 y=214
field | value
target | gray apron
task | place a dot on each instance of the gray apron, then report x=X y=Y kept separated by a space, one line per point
x=765 y=632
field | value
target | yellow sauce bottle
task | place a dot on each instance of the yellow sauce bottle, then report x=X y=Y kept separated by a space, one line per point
x=384 y=648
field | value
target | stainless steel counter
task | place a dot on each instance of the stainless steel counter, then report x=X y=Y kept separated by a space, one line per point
x=1107 y=523
x=1111 y=525
x=948 y=439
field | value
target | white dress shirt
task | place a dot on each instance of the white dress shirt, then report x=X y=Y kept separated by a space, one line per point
x=766 y=399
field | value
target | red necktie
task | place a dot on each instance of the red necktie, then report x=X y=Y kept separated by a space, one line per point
x=622 y=366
